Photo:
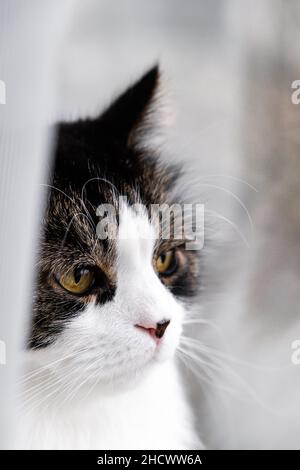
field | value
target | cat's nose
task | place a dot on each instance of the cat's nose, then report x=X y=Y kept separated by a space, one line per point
x=158 y=330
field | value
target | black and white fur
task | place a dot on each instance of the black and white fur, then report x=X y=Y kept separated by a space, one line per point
x=94 y=380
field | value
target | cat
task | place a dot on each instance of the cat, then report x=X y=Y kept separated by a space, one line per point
x=101 y=369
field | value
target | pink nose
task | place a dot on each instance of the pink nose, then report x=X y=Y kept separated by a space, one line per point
x=158 y=331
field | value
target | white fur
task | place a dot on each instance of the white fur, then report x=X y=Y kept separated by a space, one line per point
x=105 y=383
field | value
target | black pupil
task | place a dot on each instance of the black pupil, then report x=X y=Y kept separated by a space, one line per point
x=78 y=274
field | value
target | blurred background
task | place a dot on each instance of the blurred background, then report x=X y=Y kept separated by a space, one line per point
x=227 y=69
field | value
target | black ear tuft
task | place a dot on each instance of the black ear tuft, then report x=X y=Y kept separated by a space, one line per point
x=129 y=111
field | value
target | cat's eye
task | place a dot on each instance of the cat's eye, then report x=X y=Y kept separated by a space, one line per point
x=166 y=263
x=77 y=281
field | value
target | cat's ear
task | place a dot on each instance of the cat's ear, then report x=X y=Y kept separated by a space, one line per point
x=130 y=113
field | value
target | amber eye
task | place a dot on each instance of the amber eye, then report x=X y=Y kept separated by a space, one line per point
x=78 y=281
x=166 y=263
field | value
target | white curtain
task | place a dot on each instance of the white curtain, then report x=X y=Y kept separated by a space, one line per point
x=31 y=33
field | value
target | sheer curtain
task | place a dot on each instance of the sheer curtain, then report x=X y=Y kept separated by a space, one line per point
x=30 y=36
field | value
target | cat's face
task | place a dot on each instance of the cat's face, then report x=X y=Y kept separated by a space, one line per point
x=105 y=310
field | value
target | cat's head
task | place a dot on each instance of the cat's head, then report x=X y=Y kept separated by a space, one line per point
x=107 y=309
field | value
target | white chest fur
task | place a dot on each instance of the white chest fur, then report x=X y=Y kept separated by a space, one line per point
x=151 y=415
